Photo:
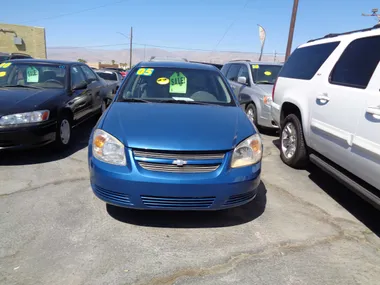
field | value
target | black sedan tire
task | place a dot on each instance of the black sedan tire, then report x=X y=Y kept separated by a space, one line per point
x=64 y=132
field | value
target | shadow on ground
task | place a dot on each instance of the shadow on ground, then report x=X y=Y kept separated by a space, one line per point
x=193 y=219
x=48 y=153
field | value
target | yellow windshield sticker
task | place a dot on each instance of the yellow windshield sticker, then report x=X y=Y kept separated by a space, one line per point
x=178 y=83
x=3 y=73
x=145 y=71
x=268 y=73
x=5 y=64
x=32 y=74
x=255 y=66
x=162 y=81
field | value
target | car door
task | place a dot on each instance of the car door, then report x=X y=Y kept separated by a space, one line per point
x=335 y=107
x=365 y=149
x=232 y=75
x=95 y=88
x=81 y=101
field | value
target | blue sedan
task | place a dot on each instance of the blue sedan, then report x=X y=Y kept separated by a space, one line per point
x=175 y=138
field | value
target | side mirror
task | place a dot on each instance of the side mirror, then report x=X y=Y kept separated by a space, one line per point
x=242 y=80
x=79 y=86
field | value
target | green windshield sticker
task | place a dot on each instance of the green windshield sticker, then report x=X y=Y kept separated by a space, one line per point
x=3 y=73
x=32 y=74
x=5 y=64
x=255 y=66
x=178 y=83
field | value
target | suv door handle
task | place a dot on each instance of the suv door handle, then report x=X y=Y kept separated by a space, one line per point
x=373 y=110
x=323 y=97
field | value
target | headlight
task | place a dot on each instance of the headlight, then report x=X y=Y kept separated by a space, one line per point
x=248 y=152
x=267 y=100
x=24 y=118
x=107 y=148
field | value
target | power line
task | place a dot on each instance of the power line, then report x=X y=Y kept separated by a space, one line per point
x=228 y=28
x=75 y=12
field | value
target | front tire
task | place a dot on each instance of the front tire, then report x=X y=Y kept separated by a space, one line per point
x=64 y=132
x=251 y=113
x=293 y=150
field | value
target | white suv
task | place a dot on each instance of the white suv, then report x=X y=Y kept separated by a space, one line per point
x=327 y=103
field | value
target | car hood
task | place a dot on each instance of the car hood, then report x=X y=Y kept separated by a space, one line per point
x=266 y=88
x=164 y=126
x=17 y=99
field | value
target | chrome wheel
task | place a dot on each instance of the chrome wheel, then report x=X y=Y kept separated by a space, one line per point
x=251 y=115
x=289 y=140
x=65 y=131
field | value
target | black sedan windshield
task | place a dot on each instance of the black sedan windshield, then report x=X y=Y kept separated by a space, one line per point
x=176 y=85
x=33 y=75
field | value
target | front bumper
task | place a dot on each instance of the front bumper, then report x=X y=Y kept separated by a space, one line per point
x=27 y=136
x=266 y=119
x=275 y=113
x=134 y=187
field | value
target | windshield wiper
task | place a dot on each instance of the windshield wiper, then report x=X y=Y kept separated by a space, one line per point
x=183 y=102
x=264 y=82
x=135 y=100
x=22 y=86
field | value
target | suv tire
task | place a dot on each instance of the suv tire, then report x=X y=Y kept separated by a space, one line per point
x=292 y=143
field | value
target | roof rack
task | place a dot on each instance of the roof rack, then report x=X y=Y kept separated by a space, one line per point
x=332 y=35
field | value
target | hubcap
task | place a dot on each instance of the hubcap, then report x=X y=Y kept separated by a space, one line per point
x=251 y=115
x=289 y=140
x=65 y=131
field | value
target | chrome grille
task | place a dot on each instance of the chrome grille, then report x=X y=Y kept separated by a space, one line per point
x=178 y=155
x=190 y=168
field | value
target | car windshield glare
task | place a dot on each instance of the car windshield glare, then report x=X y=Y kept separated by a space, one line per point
x=171 y=85
x=41 y=75
x=108 y=75
x=265 y=73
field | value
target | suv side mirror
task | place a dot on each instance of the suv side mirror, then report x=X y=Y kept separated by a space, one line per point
x=79 y=86
x=242 y=80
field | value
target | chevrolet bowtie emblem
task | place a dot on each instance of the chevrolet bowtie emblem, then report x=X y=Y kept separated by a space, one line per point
x=179 y=162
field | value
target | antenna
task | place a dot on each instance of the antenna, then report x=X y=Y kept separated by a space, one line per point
x=374 y=14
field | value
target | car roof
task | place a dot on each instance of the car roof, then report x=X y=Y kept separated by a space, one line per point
x=256 y=62
x=177 y=64
x=48 y=61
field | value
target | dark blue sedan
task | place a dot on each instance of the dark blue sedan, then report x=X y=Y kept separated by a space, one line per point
x=175 y=138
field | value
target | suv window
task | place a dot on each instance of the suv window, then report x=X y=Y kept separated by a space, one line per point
x=232 y=73
x=244 y=72
x=305 y=62
x=357 y=63
x=225 y=69
x=90 y=75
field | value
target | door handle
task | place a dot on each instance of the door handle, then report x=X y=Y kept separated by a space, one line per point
x=373 y=110
x=233 y=87
x=323 y=97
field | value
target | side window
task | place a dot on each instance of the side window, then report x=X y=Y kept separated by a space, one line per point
x=225 y=68
x=244 y=72
x=76 y=75
x=357 y=63
x=232 y=73
x=305 y=62
x=90 y=75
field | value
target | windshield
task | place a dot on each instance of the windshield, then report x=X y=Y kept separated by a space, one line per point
x=39 y=75
x=265 y=74
x=107 y=75
x=176 y=85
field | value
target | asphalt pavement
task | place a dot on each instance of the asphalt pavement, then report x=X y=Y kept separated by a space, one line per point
x=303 y=228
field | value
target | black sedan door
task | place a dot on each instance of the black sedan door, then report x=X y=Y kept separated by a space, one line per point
x=81 y=99
x=95 y=87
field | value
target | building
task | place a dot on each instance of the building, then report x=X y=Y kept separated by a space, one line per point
x=99 y=65
x=23 y=39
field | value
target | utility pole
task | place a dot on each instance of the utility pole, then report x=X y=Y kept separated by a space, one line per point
x=374 y=14
x=291 y=29
x=130 y=49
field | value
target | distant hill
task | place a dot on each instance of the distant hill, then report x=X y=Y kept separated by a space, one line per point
x=139 y=54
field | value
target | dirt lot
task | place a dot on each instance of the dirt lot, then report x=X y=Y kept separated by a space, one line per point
x=303 y=228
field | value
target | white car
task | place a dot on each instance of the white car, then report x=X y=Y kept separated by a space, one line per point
x=327 y=103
